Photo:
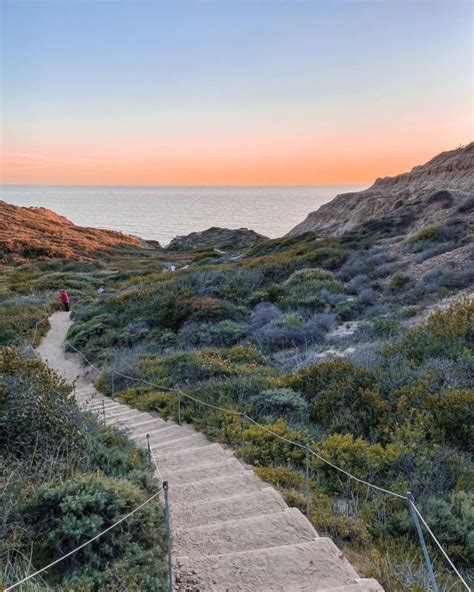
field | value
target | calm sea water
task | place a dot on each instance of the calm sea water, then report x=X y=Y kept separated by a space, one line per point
x=161 y=213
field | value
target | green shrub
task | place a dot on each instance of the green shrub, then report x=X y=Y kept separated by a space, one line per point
x=282 y=477
x=447 y=332
x=454 y=519
x=64 y=516
x=22 y=321
x=280 y=402
x=36 y=406
x=372 y=462
x=425 y=234
x=384 y=327
x=64 y=478
x=453 y=413
x=398 y=280
x=341 y=396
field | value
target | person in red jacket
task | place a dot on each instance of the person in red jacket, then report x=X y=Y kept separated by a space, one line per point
x=64 y=297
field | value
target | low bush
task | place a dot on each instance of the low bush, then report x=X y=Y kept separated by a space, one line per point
x=64 y=479
x=36 y=407
x=62 y=516
x=398 y=281
x=292 y=330
x=428 y=233
x=341 y=397
x=277 y=402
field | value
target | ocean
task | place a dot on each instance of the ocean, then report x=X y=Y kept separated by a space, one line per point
x=161 y=213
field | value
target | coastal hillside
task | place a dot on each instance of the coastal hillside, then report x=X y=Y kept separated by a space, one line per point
x=28 y=233
x=358 y=347
x=435 y=192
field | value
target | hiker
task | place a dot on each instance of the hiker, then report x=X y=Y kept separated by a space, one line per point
x=64 y=297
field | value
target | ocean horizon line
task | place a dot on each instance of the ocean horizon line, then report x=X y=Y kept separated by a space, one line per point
x=244 y=186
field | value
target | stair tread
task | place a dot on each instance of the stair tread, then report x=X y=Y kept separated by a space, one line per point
x=201 y=471
x=300 y=567
x=215 y=487
x=181 y=459
x=160 y=433
x=256 y=532
x=174 y=445
x=255 y=503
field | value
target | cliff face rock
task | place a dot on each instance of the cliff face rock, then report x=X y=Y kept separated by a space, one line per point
x=39 y=233
x=216 y=238
x=428 y=194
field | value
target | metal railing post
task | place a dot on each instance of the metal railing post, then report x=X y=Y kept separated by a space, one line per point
x=426 y=556
x=103 y=411
x=306 y=480
x=242 y=439
x=179 y=409
x=113 y=385
x=168 y=537
x=148 y=448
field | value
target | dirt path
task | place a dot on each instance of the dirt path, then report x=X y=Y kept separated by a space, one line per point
x=231 y=531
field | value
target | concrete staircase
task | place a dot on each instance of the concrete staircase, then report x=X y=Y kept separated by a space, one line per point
x=231 y=531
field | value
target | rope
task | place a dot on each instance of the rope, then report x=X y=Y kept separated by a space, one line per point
x=439 y=546
x=33 y=575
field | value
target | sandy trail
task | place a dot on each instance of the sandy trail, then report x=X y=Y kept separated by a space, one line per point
x=231 y=531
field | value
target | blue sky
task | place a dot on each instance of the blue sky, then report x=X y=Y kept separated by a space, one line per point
x=289 y=84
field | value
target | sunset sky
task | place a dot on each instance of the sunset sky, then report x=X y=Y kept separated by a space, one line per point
x=317 y=92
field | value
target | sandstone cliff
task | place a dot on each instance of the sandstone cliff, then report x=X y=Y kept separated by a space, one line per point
x=39 y=233
x=429 y=193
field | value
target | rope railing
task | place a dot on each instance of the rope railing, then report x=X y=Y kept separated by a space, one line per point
x=406 y=497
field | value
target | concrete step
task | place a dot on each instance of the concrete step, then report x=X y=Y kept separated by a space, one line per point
x=87 y=398
x=109 y=411
x=163 y=433
x=123 y=422
x=174 y=445
x=84 y=394
x=204 y=471
x=107 y=403
x=123 y=412
x=142 y=427
x=86 y=390
x=124 y=416
x=303 y=567
x=177 y=460
x=215 y=488
x=257 y=532
x=363 y=585
x=256 y=503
